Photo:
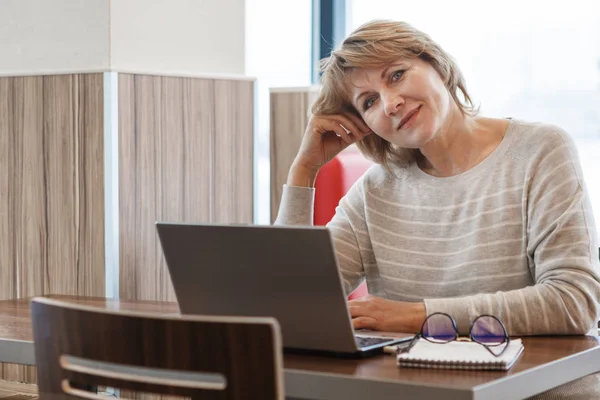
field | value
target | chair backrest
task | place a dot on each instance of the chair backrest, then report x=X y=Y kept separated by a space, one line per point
x=333 y=181
x=206 y=357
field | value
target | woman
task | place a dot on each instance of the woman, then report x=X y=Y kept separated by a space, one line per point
x=461 y=214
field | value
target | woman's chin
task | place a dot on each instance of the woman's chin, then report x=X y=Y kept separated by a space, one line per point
x=416 y=142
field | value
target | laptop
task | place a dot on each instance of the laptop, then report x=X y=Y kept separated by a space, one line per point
x=285 y=272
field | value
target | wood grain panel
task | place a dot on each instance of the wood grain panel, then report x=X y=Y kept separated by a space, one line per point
x=289 y=117
x=33 y=231
x=198 y=116
x=128 y=201
x=90 y=185
x=74 y=164
x=51 y=189
x=59 y=157
x=147 y=119
x=233 y=151
x=185 y=155
x=11 y=103
x=8 y=148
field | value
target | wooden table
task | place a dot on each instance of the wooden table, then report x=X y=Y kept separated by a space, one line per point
x=546 y=363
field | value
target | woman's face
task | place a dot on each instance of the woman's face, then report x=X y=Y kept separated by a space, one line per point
x=405 y=102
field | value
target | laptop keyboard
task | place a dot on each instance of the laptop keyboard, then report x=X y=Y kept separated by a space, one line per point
x=366 y=341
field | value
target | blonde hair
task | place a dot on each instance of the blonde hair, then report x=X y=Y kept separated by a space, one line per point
x=373 y=45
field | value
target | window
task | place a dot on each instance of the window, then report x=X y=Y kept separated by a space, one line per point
x=531 y=60
x=278 y=53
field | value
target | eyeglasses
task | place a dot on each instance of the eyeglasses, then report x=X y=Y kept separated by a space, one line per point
x=441 y=328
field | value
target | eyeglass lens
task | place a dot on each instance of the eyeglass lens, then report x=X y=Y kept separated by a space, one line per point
x=488 y=330
x=439 y=328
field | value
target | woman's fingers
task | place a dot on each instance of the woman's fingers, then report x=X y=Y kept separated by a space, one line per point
x=364 y=313
x=359 y=123
x=345 y=134
x=361 y=307
x=349 y=127
x=357 y=311
x=363 y=301
x=372 y=312
x=331 y=125
x=352 y=129
x=364 y=323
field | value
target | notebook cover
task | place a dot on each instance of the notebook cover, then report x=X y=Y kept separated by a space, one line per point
x=459 y=355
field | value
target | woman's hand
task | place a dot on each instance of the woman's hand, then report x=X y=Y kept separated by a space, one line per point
x=379 y=314
x=324 y=138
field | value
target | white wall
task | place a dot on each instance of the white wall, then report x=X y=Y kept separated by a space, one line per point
x=53 y=36
x=178 y=36
x=195 y=37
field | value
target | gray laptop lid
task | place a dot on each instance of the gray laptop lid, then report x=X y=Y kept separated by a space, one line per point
x=289 y=273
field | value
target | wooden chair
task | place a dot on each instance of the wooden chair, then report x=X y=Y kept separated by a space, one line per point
x=202 y=357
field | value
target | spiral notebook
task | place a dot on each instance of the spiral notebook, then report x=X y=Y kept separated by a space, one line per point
x=459 y=355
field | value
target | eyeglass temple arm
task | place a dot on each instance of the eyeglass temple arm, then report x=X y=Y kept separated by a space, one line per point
x=488 y=348
x=406 y=349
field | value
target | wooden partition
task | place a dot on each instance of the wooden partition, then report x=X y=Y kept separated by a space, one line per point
x=51 y=189
x=289 y=117
x=185 y=154
x=186 y=148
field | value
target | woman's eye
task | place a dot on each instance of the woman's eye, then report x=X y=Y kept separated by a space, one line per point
x=397 y=75
x=369 y=103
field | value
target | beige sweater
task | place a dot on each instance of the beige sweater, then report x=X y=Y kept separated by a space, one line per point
x=513 y=237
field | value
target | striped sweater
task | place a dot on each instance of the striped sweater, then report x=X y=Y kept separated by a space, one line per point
x=513 y=237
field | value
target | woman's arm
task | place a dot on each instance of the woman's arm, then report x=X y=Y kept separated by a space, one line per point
x=562 y=250
x=325 y=137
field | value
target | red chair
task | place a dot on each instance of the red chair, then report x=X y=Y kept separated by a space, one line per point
x=332 y=183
